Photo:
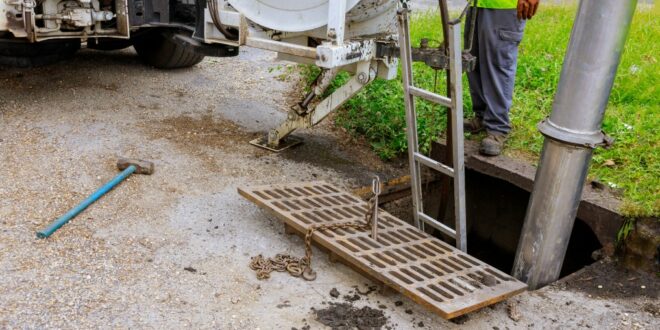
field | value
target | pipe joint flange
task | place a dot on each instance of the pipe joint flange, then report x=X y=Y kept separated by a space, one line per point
x=573 y=137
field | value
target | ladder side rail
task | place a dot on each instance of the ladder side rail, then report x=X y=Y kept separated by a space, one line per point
x=411 y=119
x=456 y=71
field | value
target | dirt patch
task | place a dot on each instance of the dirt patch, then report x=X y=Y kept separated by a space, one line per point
x=206 y=130
x=606 y=279
x=199 y=136
x=346 y=316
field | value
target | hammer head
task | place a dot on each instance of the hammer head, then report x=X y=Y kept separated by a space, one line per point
x=142 y=166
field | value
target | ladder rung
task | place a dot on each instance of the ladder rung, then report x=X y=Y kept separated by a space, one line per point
x=438 y=166
x=431 y=97
x=437 y=224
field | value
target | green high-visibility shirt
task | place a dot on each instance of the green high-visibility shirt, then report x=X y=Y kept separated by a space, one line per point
x=498 y=4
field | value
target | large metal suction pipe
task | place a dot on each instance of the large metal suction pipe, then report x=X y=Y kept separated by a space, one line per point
x=571 y=132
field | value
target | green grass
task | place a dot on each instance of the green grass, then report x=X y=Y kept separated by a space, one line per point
x=631 y=165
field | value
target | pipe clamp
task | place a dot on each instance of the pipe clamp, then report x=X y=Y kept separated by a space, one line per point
x=586 y=139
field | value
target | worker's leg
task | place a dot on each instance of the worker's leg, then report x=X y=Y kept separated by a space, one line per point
x=474 y=77
x=500 y=33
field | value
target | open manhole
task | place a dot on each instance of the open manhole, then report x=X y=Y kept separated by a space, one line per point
x=495 y=215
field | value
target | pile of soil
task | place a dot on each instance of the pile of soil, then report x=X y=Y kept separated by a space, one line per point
x=341 y=316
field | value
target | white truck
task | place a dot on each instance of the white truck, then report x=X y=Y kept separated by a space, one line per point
x=358 y=36
x=179 y=33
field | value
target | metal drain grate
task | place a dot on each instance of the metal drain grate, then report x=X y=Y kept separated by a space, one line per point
x=427 y=270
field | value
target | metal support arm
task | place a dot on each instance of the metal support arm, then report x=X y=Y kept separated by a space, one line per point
x=365 y=74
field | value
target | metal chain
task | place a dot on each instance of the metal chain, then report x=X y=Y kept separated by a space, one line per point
x=302 y=266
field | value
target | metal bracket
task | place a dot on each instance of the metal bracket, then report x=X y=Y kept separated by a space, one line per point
x=435 y=58
x=336 y=21
x=331 y=56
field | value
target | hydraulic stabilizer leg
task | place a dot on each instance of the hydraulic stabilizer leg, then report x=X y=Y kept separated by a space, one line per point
x=302 y=116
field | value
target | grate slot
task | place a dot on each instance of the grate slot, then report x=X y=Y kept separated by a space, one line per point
x=441 y=291
x=405 y=255
x=468 y=259
x=292 y=192
x=262 y=195
x=395 y=257
x=432 y=270
x=430 y=294
x=401 y=277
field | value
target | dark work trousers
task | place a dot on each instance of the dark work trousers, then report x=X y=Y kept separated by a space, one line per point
x=497 y=35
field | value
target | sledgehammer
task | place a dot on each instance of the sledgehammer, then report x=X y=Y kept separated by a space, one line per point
x=127 y=166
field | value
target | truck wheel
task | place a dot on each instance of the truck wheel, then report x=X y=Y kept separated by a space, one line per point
x=23 y=54
x=159 y=49
x=108 y=44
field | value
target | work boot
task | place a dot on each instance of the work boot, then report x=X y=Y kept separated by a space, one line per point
x=473 y=125
x=492 y=144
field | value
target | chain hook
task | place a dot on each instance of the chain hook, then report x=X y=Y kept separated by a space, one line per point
x=302 y=266
x=375 y=188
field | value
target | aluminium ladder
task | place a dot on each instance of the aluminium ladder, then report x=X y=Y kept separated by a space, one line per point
x=453 y=104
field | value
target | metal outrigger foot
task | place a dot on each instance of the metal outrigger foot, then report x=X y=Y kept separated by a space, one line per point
x=285 y=143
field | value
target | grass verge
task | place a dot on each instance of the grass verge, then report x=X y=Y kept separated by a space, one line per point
x=631 y=166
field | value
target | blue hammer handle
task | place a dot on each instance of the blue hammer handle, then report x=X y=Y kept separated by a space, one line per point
x=87 y=202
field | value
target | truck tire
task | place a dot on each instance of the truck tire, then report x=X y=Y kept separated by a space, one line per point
x=109 y=44
x=159 y=49
x=23 y=54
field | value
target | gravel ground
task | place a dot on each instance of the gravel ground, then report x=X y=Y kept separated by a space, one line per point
x=171 y=250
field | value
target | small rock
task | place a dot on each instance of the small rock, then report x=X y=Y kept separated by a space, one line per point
x=334 y=293
x=513 y=312
x=398 y=303
x=190 y=269
x=597 y=255
x=609 y=163
x=408 y=311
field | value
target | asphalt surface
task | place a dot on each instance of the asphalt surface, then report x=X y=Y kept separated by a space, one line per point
x=171 y=250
